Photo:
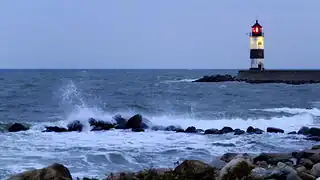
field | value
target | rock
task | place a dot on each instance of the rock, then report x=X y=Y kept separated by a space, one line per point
x=120 y=122
x=252 y=130
x=293 y=176
x=16 y=127
x=137 y=130
x=236 y=169
x=55 y=129
x=193 y=169
x=199 y=130
x=191 y=129
x=273 y=158
x=292 y=132
x=53 y=172
x=136 y=121
x=227 y=157
x=225 y=130
x=304 y=130
x=313 y=138
x=157 y=128
x=259 y=173
x=315 y=171
x=239 y=132
x=262 y=164
x=180 y=130
x=171 y=128
x=99 y=125
x=285 y=168
x=216 y=78
x=301 y=169
x=274 y=130
x=75 y=126
x=306 y=163
x=212 y=131
x=316 y=147
x=306 y=176
x=314 y=131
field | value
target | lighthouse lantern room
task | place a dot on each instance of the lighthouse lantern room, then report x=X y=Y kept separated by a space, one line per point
x=257 y=47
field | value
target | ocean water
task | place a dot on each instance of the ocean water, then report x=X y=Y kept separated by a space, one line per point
x=165 y=97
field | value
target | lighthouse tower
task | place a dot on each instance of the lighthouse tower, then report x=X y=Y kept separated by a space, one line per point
x=257 y=47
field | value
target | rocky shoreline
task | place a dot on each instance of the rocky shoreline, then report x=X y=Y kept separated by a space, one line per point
x=230 y=78
x=298 y=165
x=138 y=123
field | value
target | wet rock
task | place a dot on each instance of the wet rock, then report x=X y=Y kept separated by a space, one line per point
x=16 y=127
x=75 y=126
x=193 y=169
x=212 y=131
x=180 y=130
x=99 y=125
x=262 y=164
x=54 y=172
x=252 y=130
x=236 y=169
x=137 y=129
x=301 y=169
x=55 y=129
x=227 y=157
x=274 y=130
x=239 y=132
x=306 y=163
x=293 y=176
x=315 y=171
x=304 y=130
x=306 y=176
x=120 y=122
x=292 y=132
x=216 y=78
x=136 y=121
x=226 y=130
x=273 y=158
x=316 y=147
x=191 y=129
x=171 y=128
x=314 y=131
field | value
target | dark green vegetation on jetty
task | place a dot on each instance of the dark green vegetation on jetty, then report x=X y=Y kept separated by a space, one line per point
x=300 y=165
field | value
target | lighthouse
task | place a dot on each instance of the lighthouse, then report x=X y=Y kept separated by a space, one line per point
x=257 y=47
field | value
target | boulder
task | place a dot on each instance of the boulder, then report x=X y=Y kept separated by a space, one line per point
x=55 y=129
x=212 y=131
x=316 y=147
x=120 y=122
x=274 y=130
x=315 y=171
x=191 y=129
x=75 y=126
x=314 y=131
x=193 y=169
x=171 y=128
x=180 y=130
x=292 y=132
x=304 y=130
x=99 y=125
x=252 y=130
x=16 y=127
x=306 y=176
x=273 y=158
x=216 y=78
x=239 y=132
x=306 y=163
x=227 y=157
x=226 y=129
x=53 y=172
x=136 y=121
x=236 y=169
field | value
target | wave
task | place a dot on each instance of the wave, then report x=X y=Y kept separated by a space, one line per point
x=312 y=111
x=179 y=80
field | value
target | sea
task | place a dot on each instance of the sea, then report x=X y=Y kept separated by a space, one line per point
x=41 y=98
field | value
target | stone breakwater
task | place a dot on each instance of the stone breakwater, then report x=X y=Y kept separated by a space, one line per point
x=255 y=79
x=138 y=123
x=299 y=165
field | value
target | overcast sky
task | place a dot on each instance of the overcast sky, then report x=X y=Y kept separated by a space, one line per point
x=156 y=33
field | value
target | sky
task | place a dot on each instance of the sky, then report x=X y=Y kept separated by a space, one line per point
x=165 y=34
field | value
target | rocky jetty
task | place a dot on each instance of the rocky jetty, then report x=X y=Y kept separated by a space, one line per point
x=227 y=77
x=299 y=165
